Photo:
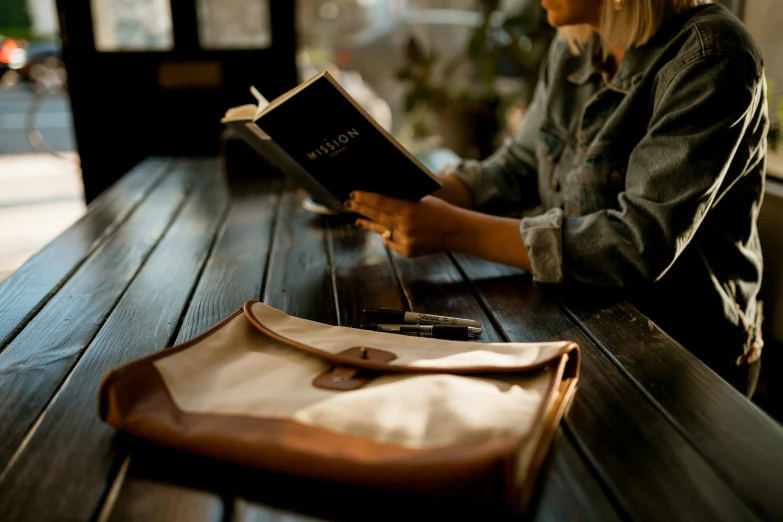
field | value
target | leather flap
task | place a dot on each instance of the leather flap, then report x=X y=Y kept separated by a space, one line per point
x=385 y=352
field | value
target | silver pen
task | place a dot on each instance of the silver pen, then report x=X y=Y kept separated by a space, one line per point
x=437 y=331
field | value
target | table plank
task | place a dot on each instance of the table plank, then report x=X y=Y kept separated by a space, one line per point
x=69 y=441
x=644 y=461
x=236 y=270
x=25 y=291
x=166 y=485
x=299 y=275
x=154 y=489
x=628 y=449
x=38 y=359
x=245 y=511
x=433 y=284
x=569 y=491
x=709 y=412
x=363 y=274
x=167 y=501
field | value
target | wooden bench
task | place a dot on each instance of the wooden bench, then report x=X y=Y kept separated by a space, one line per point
x=169 y=250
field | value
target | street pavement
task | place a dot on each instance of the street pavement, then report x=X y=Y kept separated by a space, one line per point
x=53 y=120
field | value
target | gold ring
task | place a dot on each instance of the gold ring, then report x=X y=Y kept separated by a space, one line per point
x=387 y=234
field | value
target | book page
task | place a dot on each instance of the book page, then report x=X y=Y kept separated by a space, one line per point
x=253 y=112
x=247 y=112
x=243 y=112
x=263 y=103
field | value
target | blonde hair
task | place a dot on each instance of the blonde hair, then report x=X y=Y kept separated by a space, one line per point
x=632 y=26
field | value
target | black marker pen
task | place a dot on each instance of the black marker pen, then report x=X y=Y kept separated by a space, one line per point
x=387 y=316
x=436 y=331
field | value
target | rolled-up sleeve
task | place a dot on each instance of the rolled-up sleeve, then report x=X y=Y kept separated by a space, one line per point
x=693 y=151
x=543 y=238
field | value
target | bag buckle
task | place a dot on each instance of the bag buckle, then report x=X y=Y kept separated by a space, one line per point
x=346 y=378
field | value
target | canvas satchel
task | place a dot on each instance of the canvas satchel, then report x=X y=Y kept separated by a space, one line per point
x=427 y=417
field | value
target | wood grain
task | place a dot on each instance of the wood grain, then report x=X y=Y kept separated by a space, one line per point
x=299 y=278
x=363 y=274
x=652 y=433
x=432 y=284
x=709 y=412
x=236 y=269
x=65 y=467
x=569 y=491
x=148 y=496
x=28 y=288
x=157 y=486
x=642 y=459
x=41 y=356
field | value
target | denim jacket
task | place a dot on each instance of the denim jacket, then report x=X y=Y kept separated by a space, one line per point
x=651 y=180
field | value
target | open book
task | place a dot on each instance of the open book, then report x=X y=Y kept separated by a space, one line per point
x=320 y=137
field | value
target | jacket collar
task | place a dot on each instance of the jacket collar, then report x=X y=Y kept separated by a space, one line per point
x=591 y=62
x=637 y=60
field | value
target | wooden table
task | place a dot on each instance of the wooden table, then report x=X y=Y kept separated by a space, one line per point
x=169 y=250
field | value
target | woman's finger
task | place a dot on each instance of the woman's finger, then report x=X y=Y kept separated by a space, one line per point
x=372 y=226
x=396 y=236
x=373 y=213
x=383 y=203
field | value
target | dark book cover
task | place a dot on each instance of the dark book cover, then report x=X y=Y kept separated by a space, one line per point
x=339 y=145
x=251 y=134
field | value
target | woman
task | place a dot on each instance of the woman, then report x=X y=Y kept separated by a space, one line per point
x=645 y=143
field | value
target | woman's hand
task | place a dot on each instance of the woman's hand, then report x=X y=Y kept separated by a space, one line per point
x=432 y=225
x=417 y=228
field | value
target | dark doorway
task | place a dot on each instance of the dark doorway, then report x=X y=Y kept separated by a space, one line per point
x=154 y=77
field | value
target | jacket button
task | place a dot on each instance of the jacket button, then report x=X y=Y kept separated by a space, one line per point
x=555 y=185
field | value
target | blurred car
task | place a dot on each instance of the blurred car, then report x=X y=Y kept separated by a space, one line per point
x=13 y=55
x=38 y=62
x=44 y=67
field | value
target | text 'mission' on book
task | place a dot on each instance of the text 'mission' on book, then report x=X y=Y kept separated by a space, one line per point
x=319 y=136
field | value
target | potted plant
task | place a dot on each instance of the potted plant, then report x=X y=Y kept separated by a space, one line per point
x=463 y=100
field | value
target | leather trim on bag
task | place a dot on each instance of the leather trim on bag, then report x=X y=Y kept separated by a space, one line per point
x=340 y=359
x=344 y=378
x=142 y=406
x=565 y=383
